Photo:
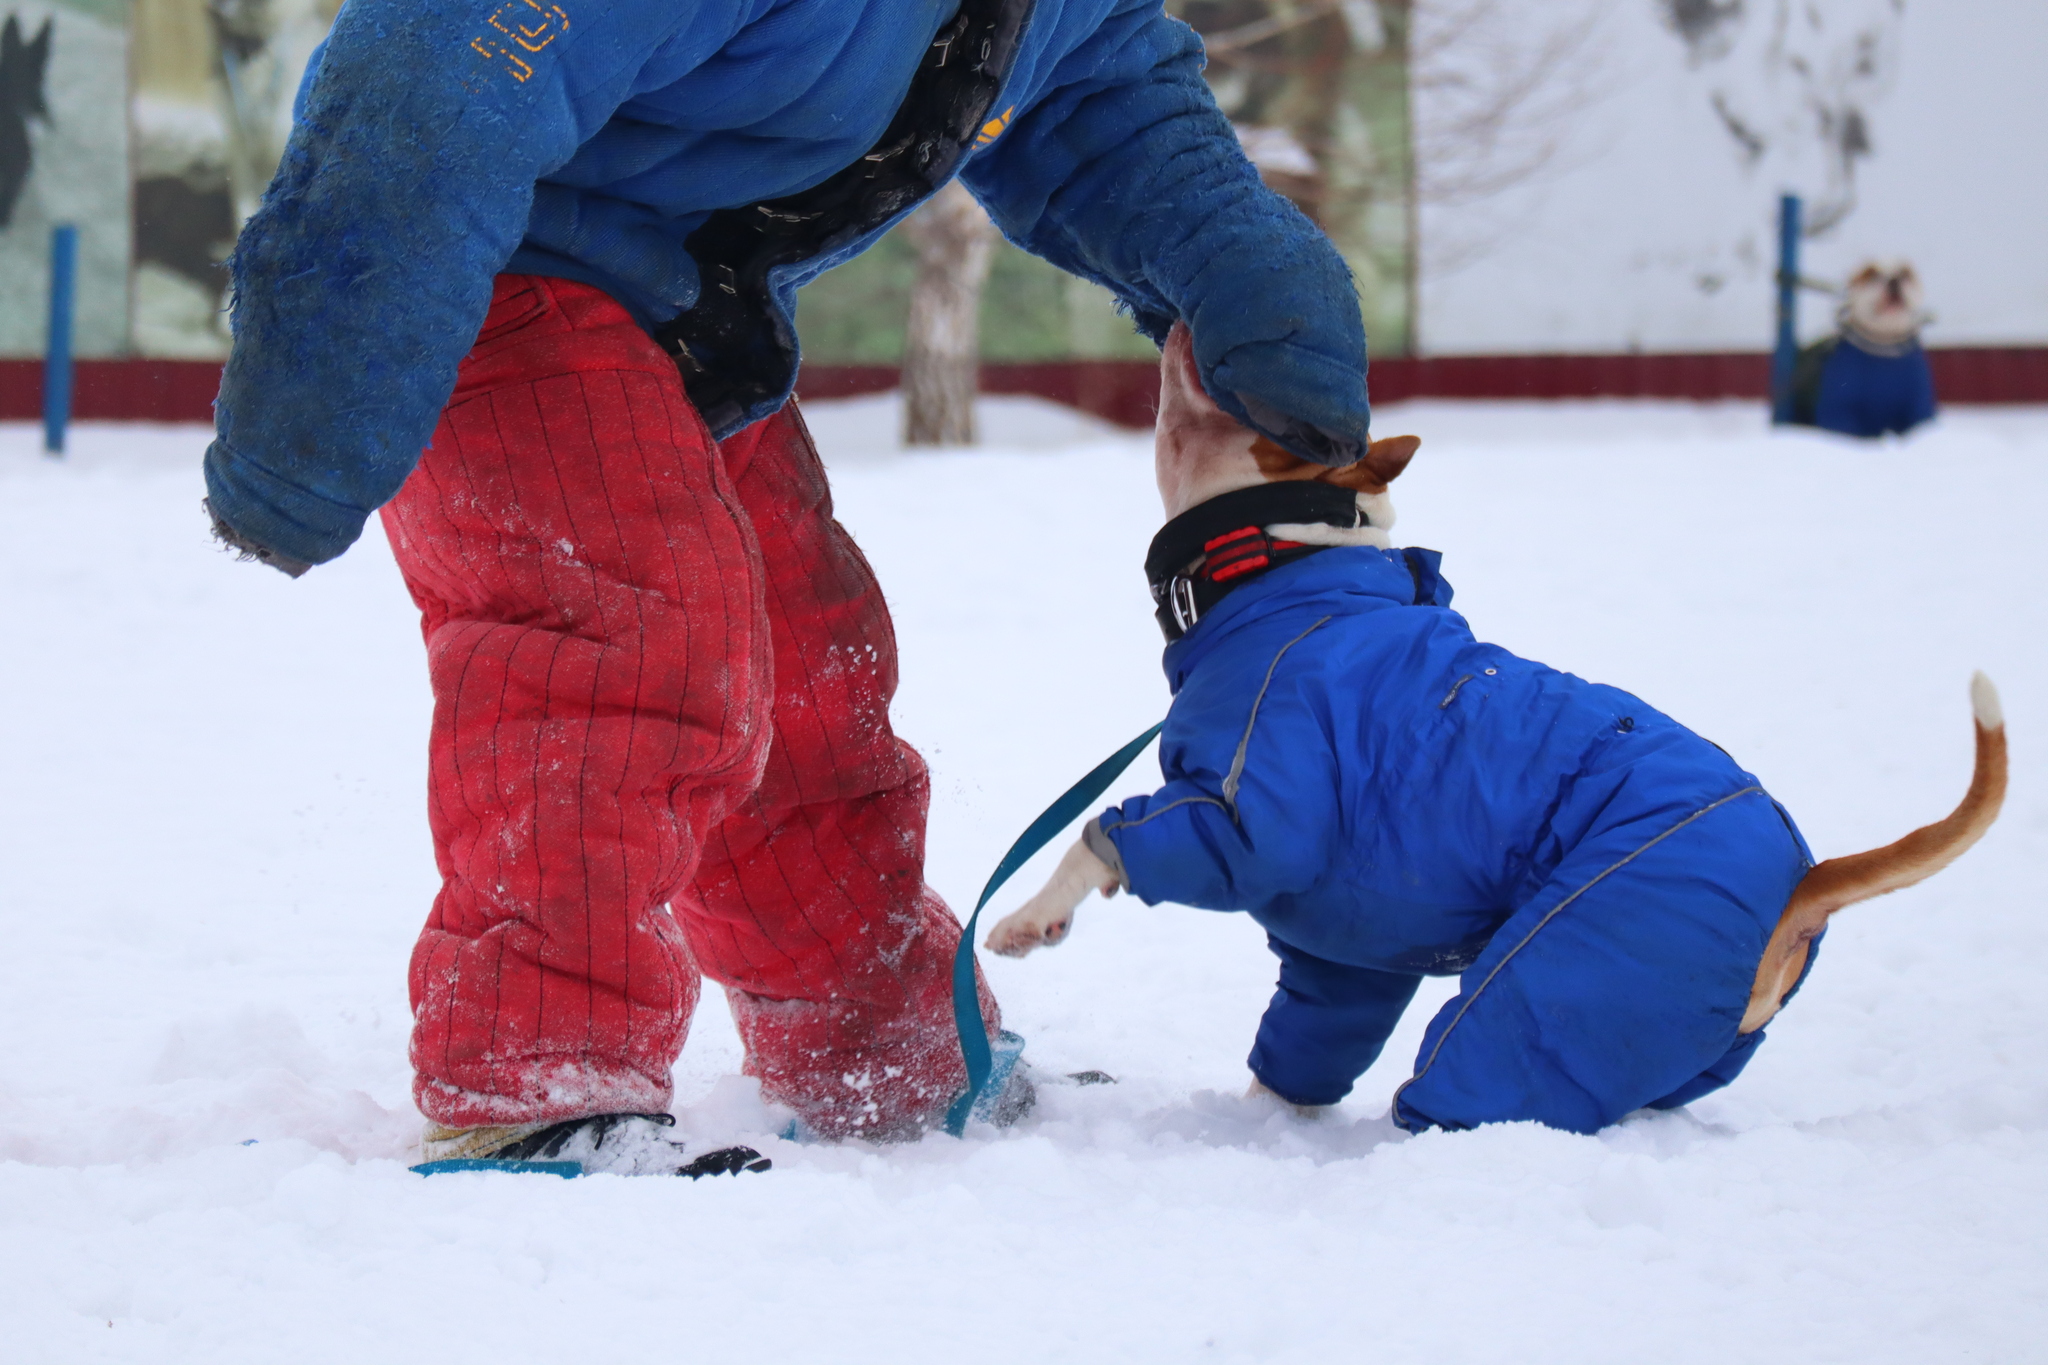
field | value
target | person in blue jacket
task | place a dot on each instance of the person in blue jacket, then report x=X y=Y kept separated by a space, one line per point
x=525 y=281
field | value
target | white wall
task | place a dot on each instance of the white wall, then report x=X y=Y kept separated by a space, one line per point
x=1650 y=228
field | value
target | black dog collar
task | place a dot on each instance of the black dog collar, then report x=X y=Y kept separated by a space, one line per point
x=1222 y=544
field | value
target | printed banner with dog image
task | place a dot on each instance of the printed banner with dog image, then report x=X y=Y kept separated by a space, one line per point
x=63 y=159
x=214 y=82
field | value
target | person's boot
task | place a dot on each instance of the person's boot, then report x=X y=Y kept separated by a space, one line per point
x=1010 y=1094
x=599 y=1144
x=1014 y=1102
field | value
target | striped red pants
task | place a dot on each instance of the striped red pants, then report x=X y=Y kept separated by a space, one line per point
x=660 y=747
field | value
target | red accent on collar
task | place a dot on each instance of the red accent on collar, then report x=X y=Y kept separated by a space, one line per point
x=1239 y=552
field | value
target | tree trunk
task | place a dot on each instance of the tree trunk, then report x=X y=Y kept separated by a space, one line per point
x=941 y=349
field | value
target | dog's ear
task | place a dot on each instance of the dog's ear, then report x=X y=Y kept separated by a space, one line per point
x=25 y=63
x=1388 y=457
x=1280 y=465
x=37 y=49
x=1384 y=460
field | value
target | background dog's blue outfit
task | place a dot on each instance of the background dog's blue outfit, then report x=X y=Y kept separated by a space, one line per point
x=1391 y=799
x=440 y=142
x=1864 y=393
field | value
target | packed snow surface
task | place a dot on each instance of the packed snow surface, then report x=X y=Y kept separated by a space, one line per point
x=216 y=859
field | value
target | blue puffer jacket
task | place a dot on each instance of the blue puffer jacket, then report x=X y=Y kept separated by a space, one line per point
x=623 y=143
x=1391 y=798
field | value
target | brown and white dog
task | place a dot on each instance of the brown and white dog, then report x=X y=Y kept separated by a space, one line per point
x=1203 y=453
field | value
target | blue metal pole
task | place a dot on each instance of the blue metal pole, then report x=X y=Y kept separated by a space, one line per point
x=57 y=355
x=1785 y=356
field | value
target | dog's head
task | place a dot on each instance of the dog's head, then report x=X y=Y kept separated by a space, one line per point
x=1882 y=302
x=1201 y=451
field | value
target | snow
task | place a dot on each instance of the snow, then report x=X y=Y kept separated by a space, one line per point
x=216 y=860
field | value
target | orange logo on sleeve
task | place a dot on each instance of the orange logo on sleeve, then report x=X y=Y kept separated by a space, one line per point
x=993 y=129
x=524 y=26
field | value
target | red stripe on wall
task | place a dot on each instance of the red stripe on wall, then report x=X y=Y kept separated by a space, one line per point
x=1127 y=391
x=117 y=390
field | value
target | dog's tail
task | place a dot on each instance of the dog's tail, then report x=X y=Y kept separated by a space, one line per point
x=1844 y=881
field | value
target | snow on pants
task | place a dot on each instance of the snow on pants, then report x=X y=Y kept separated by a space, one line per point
x=1620 y=985
x=660 y=747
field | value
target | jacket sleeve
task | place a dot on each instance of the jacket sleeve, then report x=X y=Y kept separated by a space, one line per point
x=362 y=280
x=1225 y=834
x=1125 y=172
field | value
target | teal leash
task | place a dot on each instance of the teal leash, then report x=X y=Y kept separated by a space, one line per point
x=1077 y=800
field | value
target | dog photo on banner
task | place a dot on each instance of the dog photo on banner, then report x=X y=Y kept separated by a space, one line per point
x=212 y=106
x=63 y=156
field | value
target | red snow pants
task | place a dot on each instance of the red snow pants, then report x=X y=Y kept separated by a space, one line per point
x=660 y=747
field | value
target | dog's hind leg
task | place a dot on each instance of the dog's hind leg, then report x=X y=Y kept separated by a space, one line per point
x=1620 y=983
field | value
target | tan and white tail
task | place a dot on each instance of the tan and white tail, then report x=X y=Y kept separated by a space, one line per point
x=1844 y=881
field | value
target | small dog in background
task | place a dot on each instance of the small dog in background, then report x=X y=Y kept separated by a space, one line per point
x=1391 y=799
x=1872 y=376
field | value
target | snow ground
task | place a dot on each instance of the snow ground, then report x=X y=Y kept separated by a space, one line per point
x=216 y=860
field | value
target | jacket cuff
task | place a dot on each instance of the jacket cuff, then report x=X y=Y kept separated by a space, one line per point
x=247 y=550
x=273 y=519
x=1099 y=844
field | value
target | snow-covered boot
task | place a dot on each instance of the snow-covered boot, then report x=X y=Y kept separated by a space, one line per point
x=598 y=1144
x=440 y=1143
x=1009 y=1094
x=1011 y=1100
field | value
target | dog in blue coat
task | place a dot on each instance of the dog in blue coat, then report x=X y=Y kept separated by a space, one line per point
x=1391 y=798
x=1872 y=378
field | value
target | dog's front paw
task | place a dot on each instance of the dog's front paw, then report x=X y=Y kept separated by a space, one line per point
x=1045 y=919
x=1033 y=926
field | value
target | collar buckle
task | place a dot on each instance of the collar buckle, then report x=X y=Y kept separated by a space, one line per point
x=1181 y=604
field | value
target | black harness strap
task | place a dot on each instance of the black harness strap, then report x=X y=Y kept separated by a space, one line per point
x=733 y=345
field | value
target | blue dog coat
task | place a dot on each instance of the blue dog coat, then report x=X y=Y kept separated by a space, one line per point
x=1392 y=799
x=699 y=162
x=1862 y=389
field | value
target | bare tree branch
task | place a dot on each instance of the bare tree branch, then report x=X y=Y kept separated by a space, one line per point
x=1245 y=35
x=1497 y=91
